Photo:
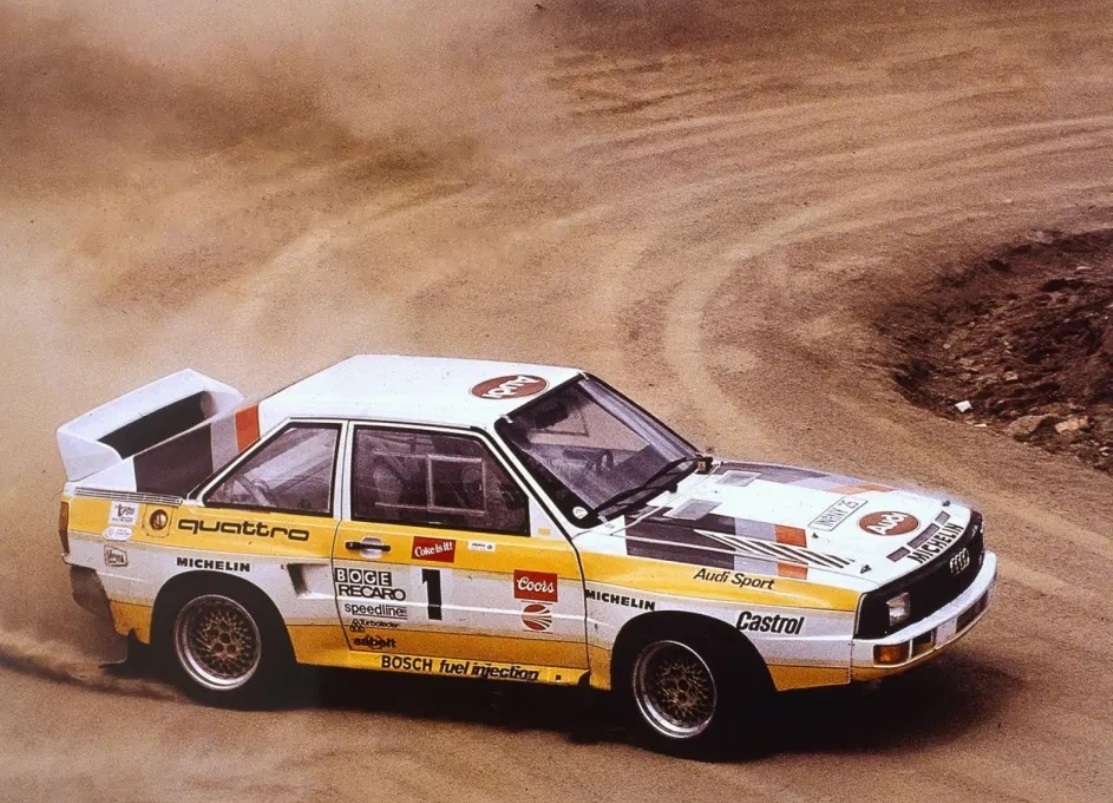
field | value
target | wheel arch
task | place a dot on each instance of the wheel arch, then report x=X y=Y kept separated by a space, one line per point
x=181 y=586
x=656 y=623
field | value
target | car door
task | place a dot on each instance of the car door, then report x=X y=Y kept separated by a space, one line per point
x=443 y=564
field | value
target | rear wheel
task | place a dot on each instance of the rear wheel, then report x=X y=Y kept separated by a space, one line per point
x=225 y=645
x=695 y=693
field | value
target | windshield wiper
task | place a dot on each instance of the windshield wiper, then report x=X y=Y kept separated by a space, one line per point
x=621 y=496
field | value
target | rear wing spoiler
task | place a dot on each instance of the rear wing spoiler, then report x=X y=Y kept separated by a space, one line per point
x=141 y=419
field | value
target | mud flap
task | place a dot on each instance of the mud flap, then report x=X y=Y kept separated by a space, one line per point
x=136 y=663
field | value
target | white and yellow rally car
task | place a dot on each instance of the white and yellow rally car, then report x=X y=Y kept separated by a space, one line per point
x=490 y=520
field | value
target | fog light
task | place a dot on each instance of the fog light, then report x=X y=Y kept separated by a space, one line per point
x=923 y=643
x=890 y=653
x=900 y=608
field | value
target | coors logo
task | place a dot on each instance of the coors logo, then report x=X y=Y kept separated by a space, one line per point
x=442 y=550
x=509 y=387
x=538 y=586
x=889 y=522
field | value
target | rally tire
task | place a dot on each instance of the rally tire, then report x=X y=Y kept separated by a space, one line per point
x=223 y=644
x=695 y=692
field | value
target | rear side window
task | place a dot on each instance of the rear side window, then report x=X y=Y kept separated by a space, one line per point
x=433 y=479
x=292 y=473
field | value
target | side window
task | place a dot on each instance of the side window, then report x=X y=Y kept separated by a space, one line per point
x=293 y=472
x=427 y=478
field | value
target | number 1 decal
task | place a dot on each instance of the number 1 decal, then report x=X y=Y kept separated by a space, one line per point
x=432 y=578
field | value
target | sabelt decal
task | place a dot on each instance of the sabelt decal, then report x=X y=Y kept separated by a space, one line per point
x=242 y=528
x=441 y=550
x=115 y=557
x=509 y=387
x=368 y=584
x=536 y=586
x=117 y=534
x=770 y=623
x=448 y=666
x=374 y=643
x=739 y=579
x=537 y=616
x=889 y=522
x=125 y=513
x=215 y=565
x=835 y=515
x=620 y=599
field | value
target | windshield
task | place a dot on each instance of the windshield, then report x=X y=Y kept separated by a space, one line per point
x=590 y=448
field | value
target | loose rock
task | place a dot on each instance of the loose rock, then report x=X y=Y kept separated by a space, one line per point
x=1025 y=334
x=1026 y=426
x=1077 y=423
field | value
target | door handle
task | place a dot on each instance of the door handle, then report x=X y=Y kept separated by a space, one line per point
x=366 y=544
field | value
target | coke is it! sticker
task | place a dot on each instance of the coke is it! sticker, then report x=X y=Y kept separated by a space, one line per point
x=441 y=550
x=509 y=387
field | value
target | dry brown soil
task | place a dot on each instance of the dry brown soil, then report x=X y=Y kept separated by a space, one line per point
x=1021 y=341
x=707 y=202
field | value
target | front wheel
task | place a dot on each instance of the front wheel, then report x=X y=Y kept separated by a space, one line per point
x=225 y=646
x=693 y=694
x=675 y=690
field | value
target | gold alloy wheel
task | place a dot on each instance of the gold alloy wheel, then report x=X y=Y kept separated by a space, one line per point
x=674 y=689
x=217 y=642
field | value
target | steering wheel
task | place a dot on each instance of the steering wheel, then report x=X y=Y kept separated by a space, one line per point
x=601 y=462
x=257 y=490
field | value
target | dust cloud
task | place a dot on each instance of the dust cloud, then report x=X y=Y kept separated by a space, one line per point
x=61 y=662
x=163 y=154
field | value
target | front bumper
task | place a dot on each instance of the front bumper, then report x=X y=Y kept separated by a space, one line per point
x=926 y=638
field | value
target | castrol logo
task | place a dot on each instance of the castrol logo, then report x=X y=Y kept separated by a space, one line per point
x=509 y=387
x=538 y=586
x=889 y=522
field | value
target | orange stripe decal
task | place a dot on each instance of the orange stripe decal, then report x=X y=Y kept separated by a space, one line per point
x=247 y=427
x=792 y=570
x=790 y=535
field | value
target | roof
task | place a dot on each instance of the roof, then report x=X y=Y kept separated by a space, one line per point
x=425 y=390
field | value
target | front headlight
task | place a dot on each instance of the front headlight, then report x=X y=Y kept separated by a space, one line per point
x=900 y=608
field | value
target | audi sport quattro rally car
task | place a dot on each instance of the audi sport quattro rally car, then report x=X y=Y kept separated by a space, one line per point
x=489 y=520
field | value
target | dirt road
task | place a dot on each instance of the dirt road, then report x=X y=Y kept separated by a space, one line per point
x=705 y=202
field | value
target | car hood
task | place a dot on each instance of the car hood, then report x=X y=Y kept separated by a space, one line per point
x=795 y=522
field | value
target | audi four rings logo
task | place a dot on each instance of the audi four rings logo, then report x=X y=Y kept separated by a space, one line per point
x=960 y=561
